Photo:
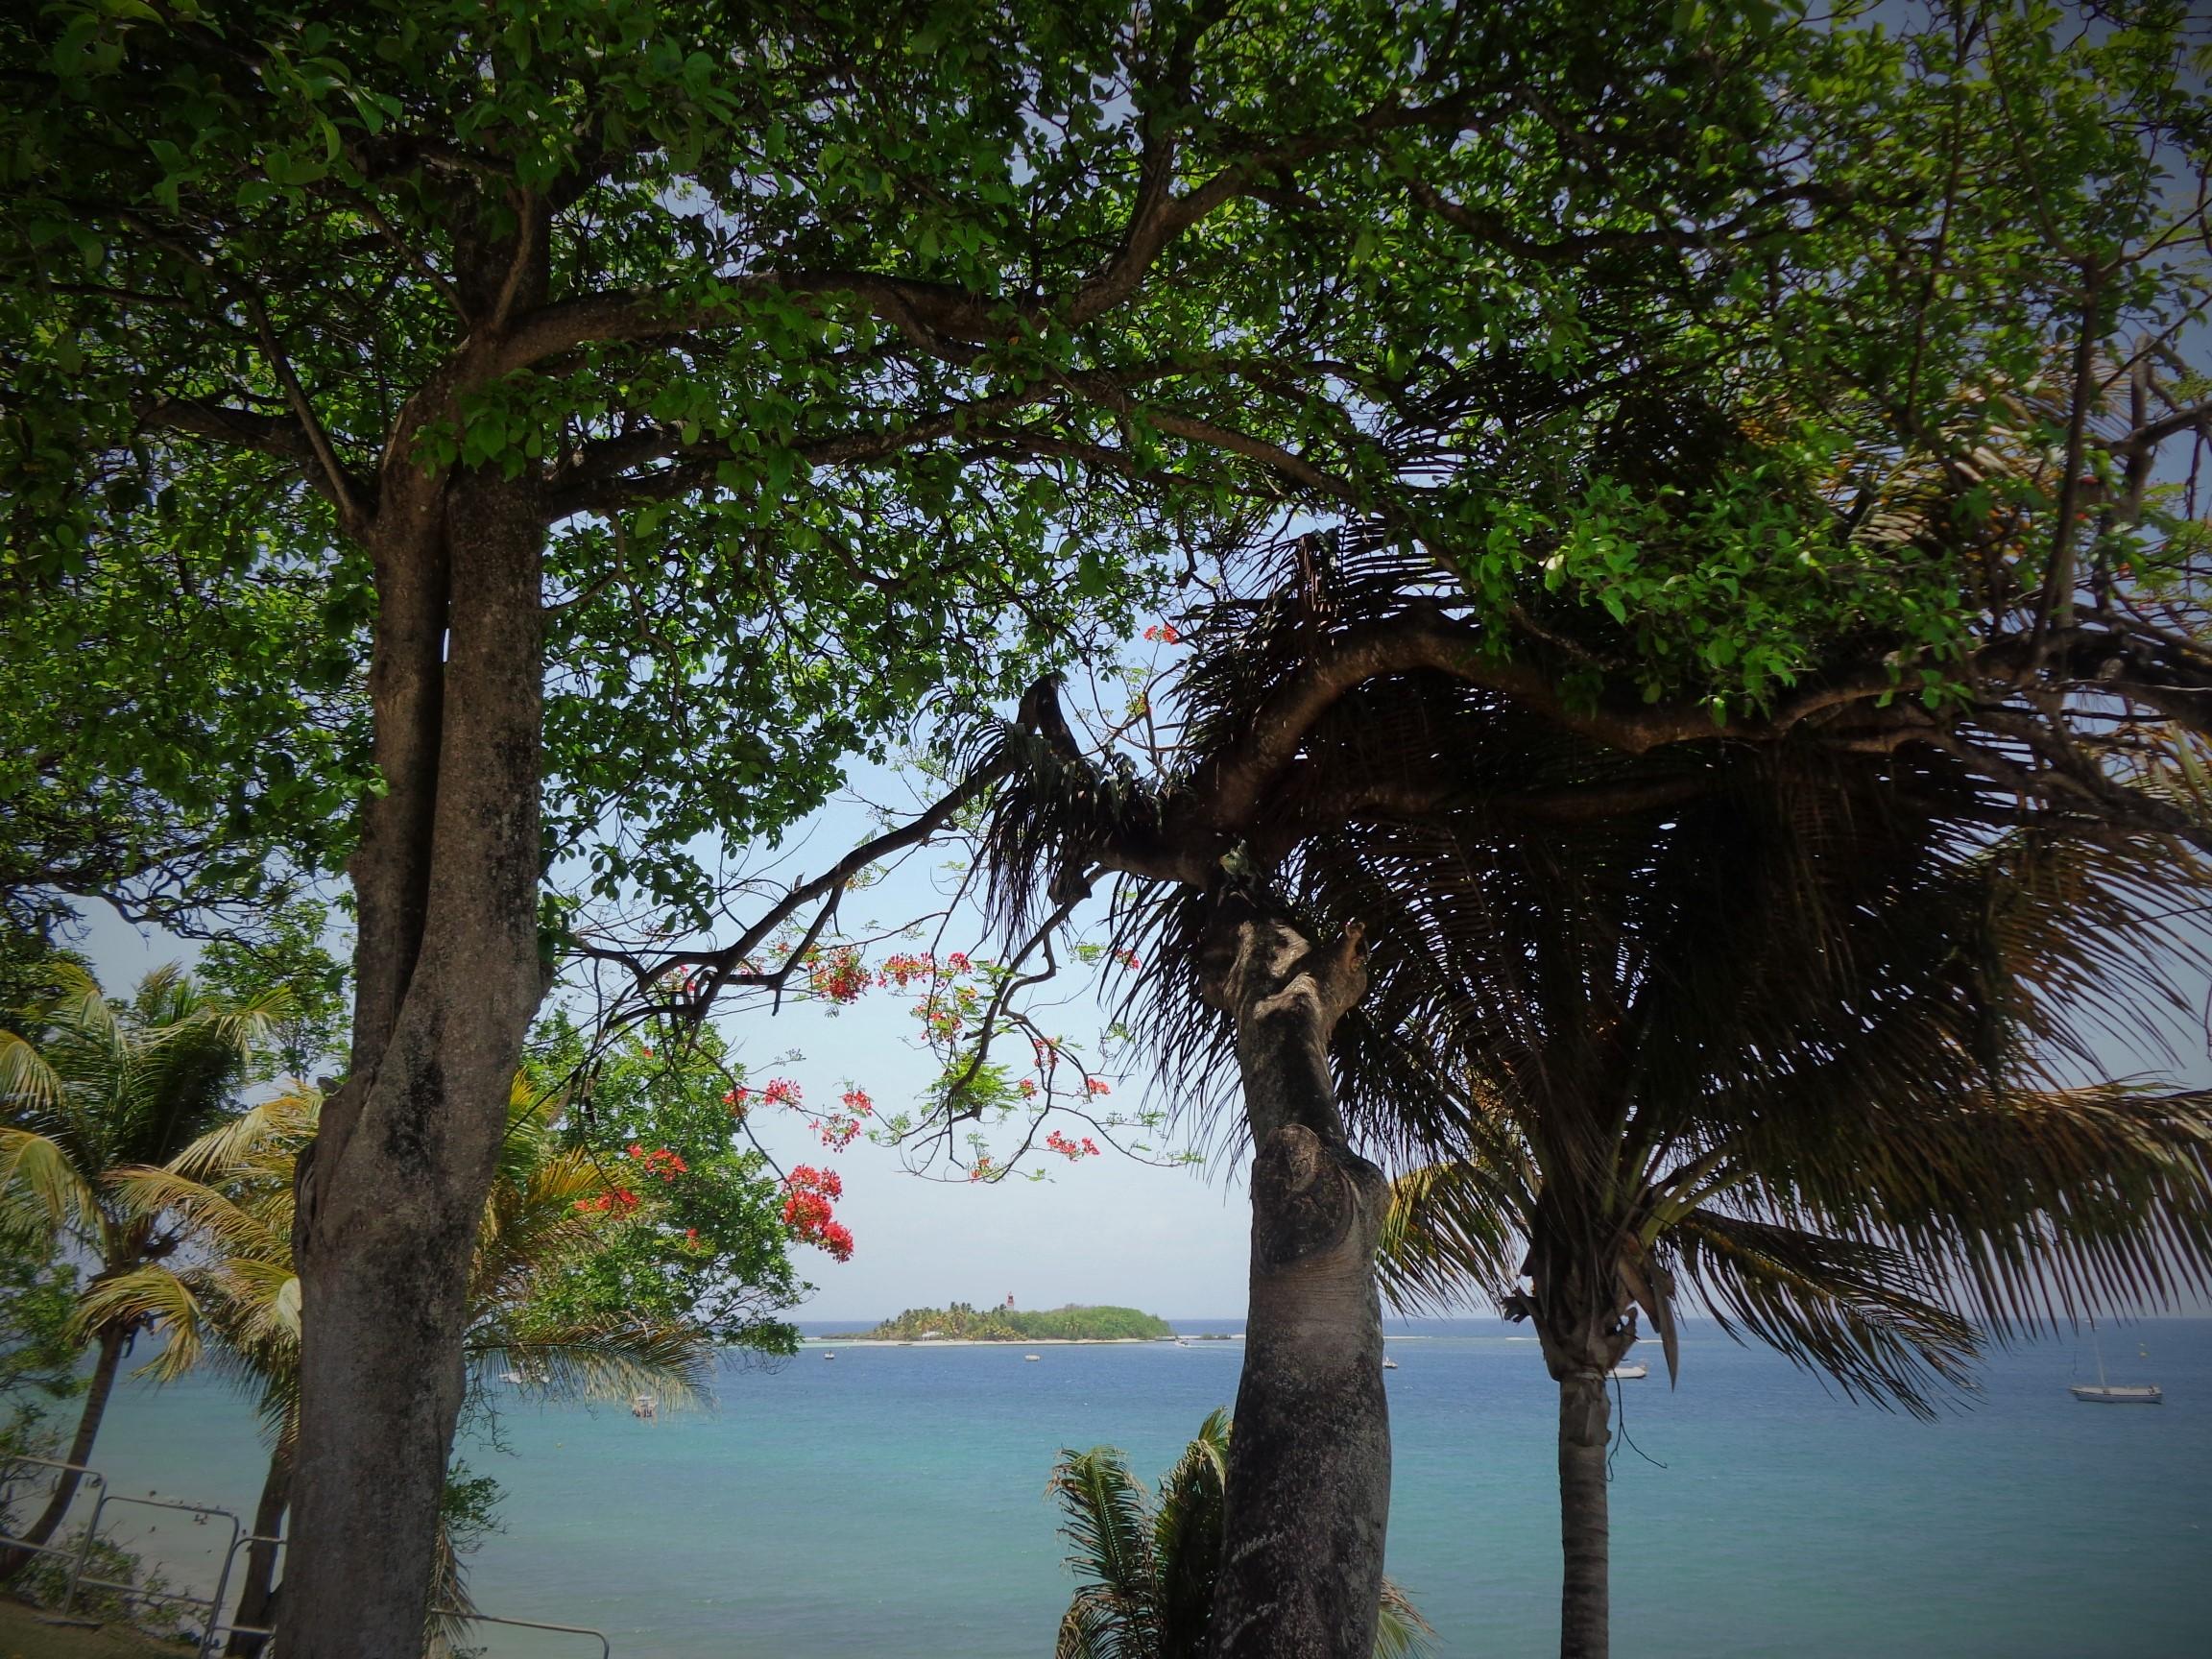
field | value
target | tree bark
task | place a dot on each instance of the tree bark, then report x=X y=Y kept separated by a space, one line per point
x=1309 y=1491
x=97 y=1393
x=1585 y=1430
x=393 y=1192
x=257 y=1593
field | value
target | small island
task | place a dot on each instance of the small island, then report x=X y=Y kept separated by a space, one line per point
x=963 y=1323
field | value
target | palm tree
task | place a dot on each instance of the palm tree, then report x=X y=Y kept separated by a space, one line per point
x=1801 y=1054
x=1354 y=881
x=104 y=1086
x=234 y=1189
x=1148 y=1562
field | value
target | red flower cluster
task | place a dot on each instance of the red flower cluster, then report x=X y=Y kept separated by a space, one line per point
x=780 y=1092
x=807 y=1194
x=907 y=966
x=904 y=968
x=839 y=1130
x=1096 y=1086
x=838 y=976
x=1027 y=1086
x=1072 y=1149
x=1163 y=633
x=1128 y=960
x=619 y=1202
x=984 y=1169
x=806 y=1178
x=660 y=1162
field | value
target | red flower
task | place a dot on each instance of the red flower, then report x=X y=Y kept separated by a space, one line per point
x=1096 y=1086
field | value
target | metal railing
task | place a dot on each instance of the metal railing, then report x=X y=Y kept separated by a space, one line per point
x=83 y=1550
x=606 y=1647
x=214 y=1625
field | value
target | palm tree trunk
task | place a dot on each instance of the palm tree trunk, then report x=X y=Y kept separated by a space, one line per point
x=257 y=1593
x=1584 y=1431
x=96 y=1397
x=1308 y=1489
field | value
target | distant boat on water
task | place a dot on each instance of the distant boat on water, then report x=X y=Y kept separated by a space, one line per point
x=1032 y=1358
x=1390 y=1364
x=1629 y=1373
x=2103 y=1393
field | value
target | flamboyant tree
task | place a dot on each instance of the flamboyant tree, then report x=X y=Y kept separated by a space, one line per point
x=551 y=434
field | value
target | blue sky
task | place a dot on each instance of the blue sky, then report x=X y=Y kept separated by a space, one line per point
x=1172 y=1240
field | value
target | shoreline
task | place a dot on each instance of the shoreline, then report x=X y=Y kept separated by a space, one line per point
x=858 y=1341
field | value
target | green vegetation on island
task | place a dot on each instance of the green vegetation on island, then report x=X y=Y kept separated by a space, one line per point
x=961 y=1322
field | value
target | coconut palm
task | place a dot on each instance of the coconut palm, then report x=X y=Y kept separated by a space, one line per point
x=1796 y=1050
x=99 y=1086
x=1388 y=862
x=233 y=1188
x=1149 y=1561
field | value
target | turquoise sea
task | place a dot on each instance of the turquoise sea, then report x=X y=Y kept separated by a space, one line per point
x=889 y=1503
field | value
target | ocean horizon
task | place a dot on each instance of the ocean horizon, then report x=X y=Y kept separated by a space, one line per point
x=890 y=1503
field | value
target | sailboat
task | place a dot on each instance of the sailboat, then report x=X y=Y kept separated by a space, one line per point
x=2103 y=1393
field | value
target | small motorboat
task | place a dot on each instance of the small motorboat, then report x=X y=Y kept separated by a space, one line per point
x=1390 y=1364
x=1629 y=1373
x=1032 y=1358
x=828 y=1356
x=643 y=1408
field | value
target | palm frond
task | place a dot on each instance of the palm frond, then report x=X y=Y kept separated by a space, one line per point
x=42 y=1189
x=2028 y=1210
x=601 y=1360
x=287 y=1122
x=28 y=1082
x=1454 y=1232
x=149 y=1296
x=1400 y=1630
x=1111 y=1534
x=1096 y=1627
x=1853 y=1310
x=1188 y=1525
x=149 y=1192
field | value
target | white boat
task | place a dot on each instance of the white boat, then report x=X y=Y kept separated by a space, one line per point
x=1390 y=1364
x=2103 y=1393
x=1032 y=1358
x=642 y=1406
x=828 y=1356
x=1629 y=1373
x=2118 y=1393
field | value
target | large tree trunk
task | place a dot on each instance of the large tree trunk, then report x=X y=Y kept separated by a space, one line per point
x=96 y=1396
x=449 y=975
x=1584 y=1430
x=1308 y=1490
x=257 y=1592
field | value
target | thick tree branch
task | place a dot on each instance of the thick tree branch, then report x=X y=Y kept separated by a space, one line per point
x=351 y=516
